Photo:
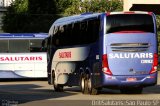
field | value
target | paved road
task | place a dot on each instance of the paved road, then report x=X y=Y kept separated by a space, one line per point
x=32 y=93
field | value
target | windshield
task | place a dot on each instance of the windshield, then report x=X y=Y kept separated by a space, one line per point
x=129 y=22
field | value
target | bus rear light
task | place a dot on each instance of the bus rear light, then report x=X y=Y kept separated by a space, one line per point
x=105 y=67
x=108 y=13
x=155 y=64
x=150 y=13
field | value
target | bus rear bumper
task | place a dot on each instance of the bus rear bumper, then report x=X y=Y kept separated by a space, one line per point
x=129 y=81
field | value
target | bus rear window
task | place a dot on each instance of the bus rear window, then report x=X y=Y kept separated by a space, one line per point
x=129 y=22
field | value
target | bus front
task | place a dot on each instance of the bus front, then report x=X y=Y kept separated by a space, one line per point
x=130 y=57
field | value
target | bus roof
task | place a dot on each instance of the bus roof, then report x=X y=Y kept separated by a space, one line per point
x=22 y=35
x=75 y=18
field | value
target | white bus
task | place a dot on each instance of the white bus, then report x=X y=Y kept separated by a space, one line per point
x=21 y=55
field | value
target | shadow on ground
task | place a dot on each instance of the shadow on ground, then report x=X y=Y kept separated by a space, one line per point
x=23 y=93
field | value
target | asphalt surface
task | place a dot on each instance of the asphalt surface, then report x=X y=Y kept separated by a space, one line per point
x=32 y=93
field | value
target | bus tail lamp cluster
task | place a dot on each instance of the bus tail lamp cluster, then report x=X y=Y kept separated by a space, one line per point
x=105 y=67
x=155 y=64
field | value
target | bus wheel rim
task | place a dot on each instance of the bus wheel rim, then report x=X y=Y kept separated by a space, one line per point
x=82 y=84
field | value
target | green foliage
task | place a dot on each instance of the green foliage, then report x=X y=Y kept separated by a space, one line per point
x=61 y=5
x=73 y=9
x=20 y=6
x=30 y=16
x=93 y=6
x=42 y=7
x=38 y=15
x=158 y=28
x=158 y=22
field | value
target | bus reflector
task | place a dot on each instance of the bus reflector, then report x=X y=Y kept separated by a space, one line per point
x=105 y=67
x=155 y=64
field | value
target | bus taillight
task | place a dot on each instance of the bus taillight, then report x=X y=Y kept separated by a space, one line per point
x=105 y=67
x=108 y=13
x=155 y=64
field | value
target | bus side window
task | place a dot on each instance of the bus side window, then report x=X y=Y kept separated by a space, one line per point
x=59 y=41
x=96 y=29
x=69 y=34
x=55 y=37
x=90 y=31
x=76 y=35
x=19 y=46
x=4 y=46
x=83 y=31
x=93 y=30
x=65 y=35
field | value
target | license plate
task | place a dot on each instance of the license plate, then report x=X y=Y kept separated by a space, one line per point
x=131 y=79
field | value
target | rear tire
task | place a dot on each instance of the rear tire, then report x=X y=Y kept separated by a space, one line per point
x=91 y=89
x=134 y=90
x=84 y=84
x=57 y=87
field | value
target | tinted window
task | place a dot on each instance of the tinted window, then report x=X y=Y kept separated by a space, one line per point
x=35 y=45
x=18 y=46
x=129 y=22
x=3 y=46
x=93 y=30
x=78 y=33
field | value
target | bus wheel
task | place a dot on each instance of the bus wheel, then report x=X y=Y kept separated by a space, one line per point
x=92 y=91
x=84 y=84
x=57 y=87
x=134 y=90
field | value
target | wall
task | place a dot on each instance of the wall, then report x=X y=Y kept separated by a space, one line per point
x=129 y=3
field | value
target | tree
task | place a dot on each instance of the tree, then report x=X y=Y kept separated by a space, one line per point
x=38 y=15
x=32 y=15
x=158 y=22
x=94 y=6
x=158 y=28
x=74 y=8
x=11 y=19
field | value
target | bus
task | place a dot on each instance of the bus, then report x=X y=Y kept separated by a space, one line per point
x=116 y=50
x=21 y=56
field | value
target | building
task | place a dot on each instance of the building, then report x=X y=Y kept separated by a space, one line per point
x=142 y=5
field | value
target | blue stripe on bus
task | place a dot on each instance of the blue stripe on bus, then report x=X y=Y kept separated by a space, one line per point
x=23 y=35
